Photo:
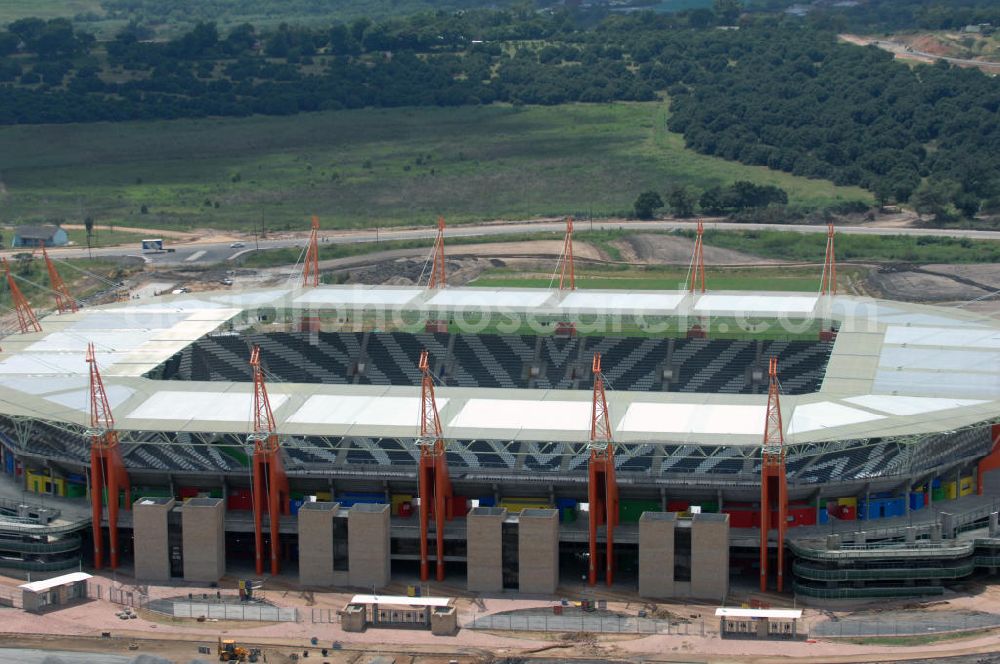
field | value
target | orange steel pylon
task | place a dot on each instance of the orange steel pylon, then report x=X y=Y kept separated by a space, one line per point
x=64 y=301
x=773 y=487
x=829 y=265
x=434 y=483
x=26 y=318
x=567 y=273
x=310 y=273
x=107 y=470
x=438 y=278
x=602 y=487
x=697 y=268
x=270 y=485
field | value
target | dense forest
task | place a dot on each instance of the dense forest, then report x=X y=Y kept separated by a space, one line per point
x=778 y=91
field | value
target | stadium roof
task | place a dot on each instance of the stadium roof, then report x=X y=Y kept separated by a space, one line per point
x=896 y=369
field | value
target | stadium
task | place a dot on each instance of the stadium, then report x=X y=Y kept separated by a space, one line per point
x=889 y=425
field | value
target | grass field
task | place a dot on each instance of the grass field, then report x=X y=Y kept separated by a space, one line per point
x=364 y=168
x=12 y=10
x=776 y=279
x=880 y=248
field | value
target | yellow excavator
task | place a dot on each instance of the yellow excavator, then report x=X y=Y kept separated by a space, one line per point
x=230 y=652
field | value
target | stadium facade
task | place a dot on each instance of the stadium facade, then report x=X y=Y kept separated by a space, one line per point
x=891 y=415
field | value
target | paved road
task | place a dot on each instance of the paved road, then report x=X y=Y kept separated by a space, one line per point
x=31 y=656
x=206 y=253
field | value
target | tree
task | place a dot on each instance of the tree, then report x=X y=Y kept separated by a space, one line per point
x=931 y=197
x=727 y=11
x=968 y=204
x=712 y=201
x=647 y=204
x=681 y=201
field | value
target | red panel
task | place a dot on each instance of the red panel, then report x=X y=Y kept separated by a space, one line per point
x=678 y=505
x=743 y=518
x=801 y=516
x=188 y=492
x=458 y=505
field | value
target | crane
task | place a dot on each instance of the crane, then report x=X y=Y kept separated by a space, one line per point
x=270 y=484
x=602 y=488
x=310 y=272
x=438 y=277
x=567 y=273
x=26 y=319
x=64 y=301
x=434 y=483
x=773 y=484
x=697 y=269
x=567 y=277
x=108 y=476
x=829 y=283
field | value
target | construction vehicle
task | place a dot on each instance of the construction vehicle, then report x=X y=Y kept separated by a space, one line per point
x=230 y=652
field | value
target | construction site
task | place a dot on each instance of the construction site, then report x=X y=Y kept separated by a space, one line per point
x=506 y=441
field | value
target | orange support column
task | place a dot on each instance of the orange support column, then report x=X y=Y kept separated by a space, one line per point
x=107 y=470
x=773 y=485
x=97 y=509
x=270 y=484
x=434 y=481
x=602 y=488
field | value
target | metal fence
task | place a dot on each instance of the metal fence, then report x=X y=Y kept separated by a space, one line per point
x=611 y=624
x=261 y=612
x=324 y=615
x=906 y=625
x=126 y=597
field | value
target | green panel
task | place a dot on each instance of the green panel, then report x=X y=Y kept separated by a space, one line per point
x=76 y=490
x=938 y=494
x=150 y=492
x=807 y=571
x=630 y=511
x=236 y=454
x=856 y=593
x=710 y=507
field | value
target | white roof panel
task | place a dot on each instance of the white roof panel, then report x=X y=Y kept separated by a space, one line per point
x=80 y=399
x=919 y=357
x=685 y=418
x=44 y=384
x=52 y=363
x=621 y=301
x=968 y=337
x=900 y=405
x=781 y=614
x=938 y=383
x=401 y=600
x=487 y=298
x=201 y=406
x=102 y=340
x=101 y=319
x=826 y=415
x=48 y=584
x=514 y=414
x=352 y=296
x=174 y=305
x=361 y=410
x=756 y=304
